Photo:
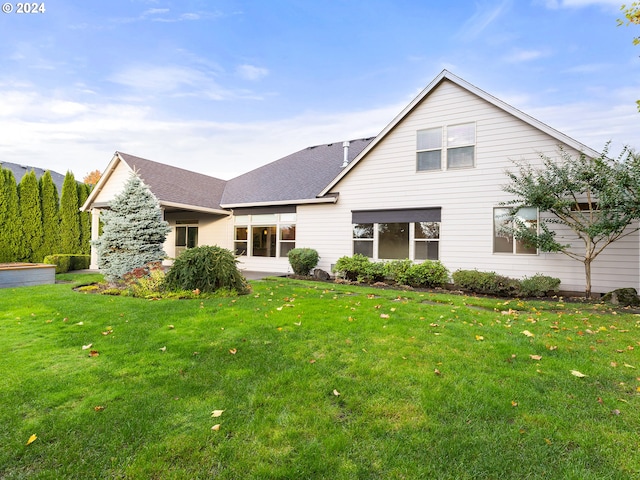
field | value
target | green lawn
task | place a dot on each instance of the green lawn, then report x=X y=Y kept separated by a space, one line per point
x=316 y=381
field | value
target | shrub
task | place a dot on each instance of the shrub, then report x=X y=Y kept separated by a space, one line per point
x=374 y=272
x=352 y=267
x=207 y=269
x=398 y=271
x=428 y=274
x=146 y=281
x=303 y=260
x=489 y=283
x=66 y=262
x=539 y=285
x=359 y=268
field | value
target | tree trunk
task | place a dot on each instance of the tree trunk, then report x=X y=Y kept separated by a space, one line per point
x=587 y=276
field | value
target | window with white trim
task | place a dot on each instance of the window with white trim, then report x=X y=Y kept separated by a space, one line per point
x=265 y=235
x=461 y=140
x=186 y=235
x=397 y=234
x=449 y=147
x=504 y=224
x=429 y=146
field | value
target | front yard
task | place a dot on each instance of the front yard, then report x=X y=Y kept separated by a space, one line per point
x=313 y=380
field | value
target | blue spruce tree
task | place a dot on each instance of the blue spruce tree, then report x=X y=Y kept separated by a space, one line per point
x=133 y=231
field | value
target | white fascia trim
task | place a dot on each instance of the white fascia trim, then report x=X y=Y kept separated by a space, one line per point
x=331 y=199
x=195 y=208
x=104 y=178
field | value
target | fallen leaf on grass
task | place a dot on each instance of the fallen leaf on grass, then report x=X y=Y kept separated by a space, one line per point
x=216 y=427
x=437 y=372
x=163 y=349
x=216 y=413
x=629 y=366
x=32 y=439
x=615 y=412
x=233 y=351
x=171 y=327
x=479 y=338
x=514 y=403
x=528 y=333
x=384 y=315
x=94 y=353
x=98 y=408
x=576 y=373
x=336 y=392
x=535 y=357
x=87 y=347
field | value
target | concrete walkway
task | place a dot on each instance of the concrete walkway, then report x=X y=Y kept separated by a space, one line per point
x=250 y=275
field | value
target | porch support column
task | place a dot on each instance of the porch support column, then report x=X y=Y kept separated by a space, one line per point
x=95 y=231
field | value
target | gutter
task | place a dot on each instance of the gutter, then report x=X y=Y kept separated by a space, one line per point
x=306 y=201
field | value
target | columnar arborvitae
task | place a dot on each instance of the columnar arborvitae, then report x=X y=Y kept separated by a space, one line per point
x=85 y=219
x=50 y=203
x=30 y=217
x=133 y=233
x=69 y=216
x=10 y=224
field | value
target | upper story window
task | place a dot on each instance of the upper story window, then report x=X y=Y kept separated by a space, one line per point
x=429 y=144
x=453 y=145
x=461 y=140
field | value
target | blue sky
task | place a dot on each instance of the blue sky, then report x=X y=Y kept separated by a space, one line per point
x=222 y=87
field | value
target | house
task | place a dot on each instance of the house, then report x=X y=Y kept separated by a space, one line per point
x=429 y=186
x=20 y=171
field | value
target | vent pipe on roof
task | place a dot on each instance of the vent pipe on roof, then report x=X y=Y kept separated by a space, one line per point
x=345 y=161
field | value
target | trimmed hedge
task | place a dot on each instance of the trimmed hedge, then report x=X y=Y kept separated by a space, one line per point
x=65 y=262
x=359 y=268
x=490 y=283
x=403 y=272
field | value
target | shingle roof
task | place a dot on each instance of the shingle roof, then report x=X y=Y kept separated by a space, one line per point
x=177 y=185
x=20 y=171
x=299 y=176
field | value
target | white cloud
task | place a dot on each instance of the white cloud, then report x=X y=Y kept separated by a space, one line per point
x=251 y=72
x=482 y=18
x=155 y=11
x=519 y=56
x=556 y=4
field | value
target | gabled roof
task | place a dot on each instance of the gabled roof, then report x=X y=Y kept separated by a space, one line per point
x=20 y=171
x=296 y=178
x=175 y=188
x=448 y=76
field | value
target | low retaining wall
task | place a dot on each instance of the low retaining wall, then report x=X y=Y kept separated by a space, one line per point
x=26 y=274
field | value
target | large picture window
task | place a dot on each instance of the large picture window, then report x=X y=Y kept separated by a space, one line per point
x=503 y=227
x=265 y=235
x=397 y=234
